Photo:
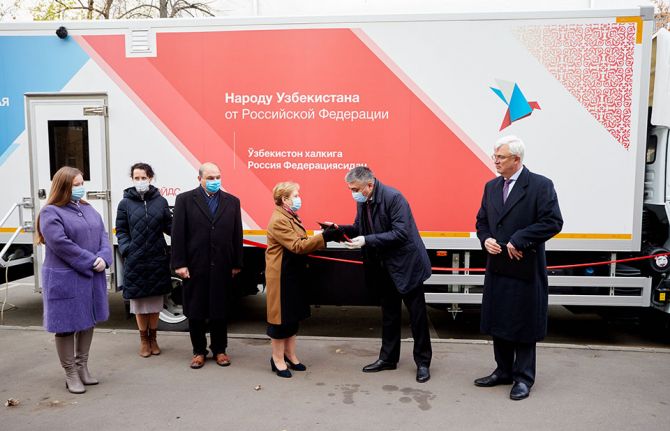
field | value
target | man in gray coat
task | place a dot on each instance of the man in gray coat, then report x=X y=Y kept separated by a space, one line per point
x=519 y=213
x=396 y=265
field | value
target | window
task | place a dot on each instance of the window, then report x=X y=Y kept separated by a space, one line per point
x=68 y=146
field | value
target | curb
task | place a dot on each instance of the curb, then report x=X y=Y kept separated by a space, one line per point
x=593 y=347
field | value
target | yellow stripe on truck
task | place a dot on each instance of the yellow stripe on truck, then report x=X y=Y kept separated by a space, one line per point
x=567 y=235
x=437 y=234
x=446 y=234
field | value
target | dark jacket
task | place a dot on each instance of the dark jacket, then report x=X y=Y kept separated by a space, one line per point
x=515 y=309
x=140 y=224
x=286 y=268
x=210 y=247
x=393 y=240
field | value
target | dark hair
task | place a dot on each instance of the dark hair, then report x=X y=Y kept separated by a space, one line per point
x=143 y=166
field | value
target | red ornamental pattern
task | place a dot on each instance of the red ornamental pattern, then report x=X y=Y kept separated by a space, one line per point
x=594 y=62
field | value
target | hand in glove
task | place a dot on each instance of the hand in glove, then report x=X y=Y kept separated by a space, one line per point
x=357 y=242
x=99 y=265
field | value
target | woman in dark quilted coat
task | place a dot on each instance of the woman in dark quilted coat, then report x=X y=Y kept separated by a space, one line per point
x=142 y=218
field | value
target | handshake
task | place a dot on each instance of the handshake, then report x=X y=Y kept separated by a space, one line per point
x=333 y=232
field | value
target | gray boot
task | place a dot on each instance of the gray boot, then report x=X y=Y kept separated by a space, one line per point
x=82 y=346
x=65 y=349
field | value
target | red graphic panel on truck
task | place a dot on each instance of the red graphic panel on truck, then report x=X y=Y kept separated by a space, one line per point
x=301 y=105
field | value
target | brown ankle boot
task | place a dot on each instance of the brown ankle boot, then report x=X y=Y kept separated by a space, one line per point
x=145 y=344
x=155 y=350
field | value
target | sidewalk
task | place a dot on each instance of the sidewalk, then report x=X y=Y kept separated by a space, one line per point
x=578 y=388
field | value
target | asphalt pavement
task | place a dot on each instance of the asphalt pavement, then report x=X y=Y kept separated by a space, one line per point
x=593 y=374
x=578 y=388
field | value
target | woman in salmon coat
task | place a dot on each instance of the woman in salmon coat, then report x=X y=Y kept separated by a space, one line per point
x=286 y=275
x=74 y=288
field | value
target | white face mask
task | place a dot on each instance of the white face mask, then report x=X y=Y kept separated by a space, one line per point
x=141 y=186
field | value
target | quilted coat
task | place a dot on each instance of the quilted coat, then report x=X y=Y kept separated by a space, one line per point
x=141 y=221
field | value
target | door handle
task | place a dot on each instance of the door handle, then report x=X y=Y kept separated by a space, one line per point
x=99 y=195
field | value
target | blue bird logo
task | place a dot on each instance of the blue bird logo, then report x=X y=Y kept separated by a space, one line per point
x=518 y=106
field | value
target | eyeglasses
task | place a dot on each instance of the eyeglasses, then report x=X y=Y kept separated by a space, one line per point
x=498 y=157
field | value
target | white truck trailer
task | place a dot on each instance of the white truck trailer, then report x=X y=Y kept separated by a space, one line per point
x=418 y=98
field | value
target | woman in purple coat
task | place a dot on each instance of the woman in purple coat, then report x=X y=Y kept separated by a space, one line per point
x=74 y=289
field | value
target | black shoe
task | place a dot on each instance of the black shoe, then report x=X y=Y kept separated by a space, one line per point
x=379 y=365
x=295 y=367
x=519 y=391
x=492 y=380
x=281 y=373
x=422 y=374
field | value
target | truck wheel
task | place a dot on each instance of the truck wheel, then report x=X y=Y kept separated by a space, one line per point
x=172 y=317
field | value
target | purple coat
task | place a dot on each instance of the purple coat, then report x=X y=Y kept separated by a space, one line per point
x=74 y=295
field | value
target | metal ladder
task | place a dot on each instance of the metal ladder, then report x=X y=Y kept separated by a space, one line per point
x=24 y=226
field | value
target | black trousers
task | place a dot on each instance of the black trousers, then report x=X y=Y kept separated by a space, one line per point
x=218 y=333
x=515 y=360
x=415 y=302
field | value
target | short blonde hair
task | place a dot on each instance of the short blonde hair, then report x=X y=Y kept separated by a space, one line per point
x=283 y=190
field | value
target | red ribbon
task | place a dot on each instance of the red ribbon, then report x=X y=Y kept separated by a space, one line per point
x=438 y=268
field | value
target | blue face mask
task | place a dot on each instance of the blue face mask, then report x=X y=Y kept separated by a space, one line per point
x=297 y=203
x=78 y=192
x=358 y=197
x=213 y=186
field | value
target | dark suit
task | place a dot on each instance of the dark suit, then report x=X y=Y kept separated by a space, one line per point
x=396 y=265
x=514 y=310
x=210 y=246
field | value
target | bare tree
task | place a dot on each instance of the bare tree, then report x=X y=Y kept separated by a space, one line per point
x=662 y=14
x=9 y=10
x=171 y=9
x=119 y=9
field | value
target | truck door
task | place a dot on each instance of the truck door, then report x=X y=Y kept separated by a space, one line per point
x=68 y=130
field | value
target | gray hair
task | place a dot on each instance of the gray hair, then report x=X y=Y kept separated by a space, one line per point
x=515 y=145
x=207 y=165
x=360 y=174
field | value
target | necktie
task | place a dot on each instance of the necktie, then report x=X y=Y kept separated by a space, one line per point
x=506 y=189
x=213 y=203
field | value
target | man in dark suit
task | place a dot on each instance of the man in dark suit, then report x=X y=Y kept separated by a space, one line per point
x=519 y=213
x=396 y=265
x=207 y=254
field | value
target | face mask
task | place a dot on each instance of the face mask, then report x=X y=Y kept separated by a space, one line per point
x=297 y=203
x=213 y=186
x=78 y=192
x=141 y=186
x=358 y=197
